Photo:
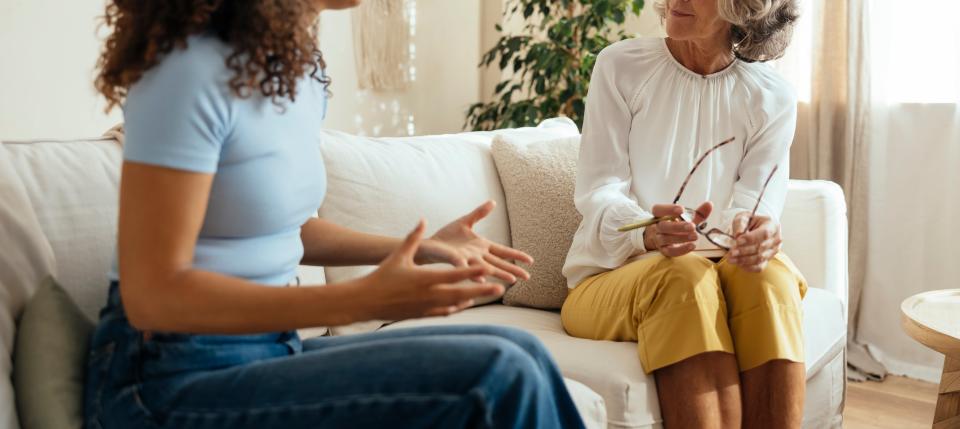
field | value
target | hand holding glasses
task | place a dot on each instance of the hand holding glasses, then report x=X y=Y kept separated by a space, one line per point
x=697 y=217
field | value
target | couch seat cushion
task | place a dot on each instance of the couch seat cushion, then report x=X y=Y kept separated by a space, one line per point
x=609 y=368
x=612 y=369
x=589 y=404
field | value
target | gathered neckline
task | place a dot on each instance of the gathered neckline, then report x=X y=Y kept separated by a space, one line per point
x=728 y=69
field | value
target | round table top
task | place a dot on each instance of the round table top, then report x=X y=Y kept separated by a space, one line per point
x=933 y=319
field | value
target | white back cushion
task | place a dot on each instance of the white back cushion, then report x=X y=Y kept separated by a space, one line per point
x=73 y=187
x=385 y=185
x=25 y=258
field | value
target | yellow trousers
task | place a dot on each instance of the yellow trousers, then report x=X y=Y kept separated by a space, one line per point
x=676 y=308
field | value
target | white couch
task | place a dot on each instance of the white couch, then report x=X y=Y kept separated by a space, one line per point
x=72 y=191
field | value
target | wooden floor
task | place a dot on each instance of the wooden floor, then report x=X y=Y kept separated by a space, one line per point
x=896 y=403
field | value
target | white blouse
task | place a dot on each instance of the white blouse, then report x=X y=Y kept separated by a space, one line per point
x=647 y=120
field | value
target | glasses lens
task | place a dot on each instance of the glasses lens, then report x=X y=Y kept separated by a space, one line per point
x=688 y=214
x=721 y=239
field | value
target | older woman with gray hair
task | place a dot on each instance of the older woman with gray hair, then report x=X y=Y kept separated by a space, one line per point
x=694 y=120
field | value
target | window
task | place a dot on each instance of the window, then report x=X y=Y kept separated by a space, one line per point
x=914 y=51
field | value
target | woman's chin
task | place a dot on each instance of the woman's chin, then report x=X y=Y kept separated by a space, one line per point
x=678 y=31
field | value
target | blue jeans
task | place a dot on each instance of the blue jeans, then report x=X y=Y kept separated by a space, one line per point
x=438 y=377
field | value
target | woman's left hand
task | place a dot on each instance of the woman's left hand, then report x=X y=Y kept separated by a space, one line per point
x=758 y=241
x=458 y=245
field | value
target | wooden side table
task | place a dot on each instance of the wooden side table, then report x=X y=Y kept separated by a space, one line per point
x=933 y=319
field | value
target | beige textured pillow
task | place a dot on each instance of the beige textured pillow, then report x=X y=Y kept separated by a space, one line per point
x=538 y=180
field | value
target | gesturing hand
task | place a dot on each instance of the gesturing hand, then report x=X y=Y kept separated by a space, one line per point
x=758 y=241
x=677 y=237
x=458 y=245
x=399 y=289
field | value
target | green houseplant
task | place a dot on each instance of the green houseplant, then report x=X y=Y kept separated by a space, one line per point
x=550 y=60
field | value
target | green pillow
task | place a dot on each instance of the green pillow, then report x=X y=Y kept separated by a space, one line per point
x=49 y=360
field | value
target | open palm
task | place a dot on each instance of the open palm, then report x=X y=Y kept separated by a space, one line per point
x=459 y=245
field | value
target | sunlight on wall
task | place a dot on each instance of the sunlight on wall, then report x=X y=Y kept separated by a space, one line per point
x=796 y=65
x=445 y=80
x=919 y=62
x=912 y=51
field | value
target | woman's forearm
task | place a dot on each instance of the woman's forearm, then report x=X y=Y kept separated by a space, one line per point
x=199 y=302
x=329 y=244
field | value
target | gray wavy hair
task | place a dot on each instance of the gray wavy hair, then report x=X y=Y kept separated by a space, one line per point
x=761 y=28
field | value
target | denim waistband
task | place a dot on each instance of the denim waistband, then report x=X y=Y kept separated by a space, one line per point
x=113 y=314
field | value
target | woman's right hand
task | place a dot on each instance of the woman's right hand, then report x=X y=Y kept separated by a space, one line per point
x=677 y=237
x=400 y=289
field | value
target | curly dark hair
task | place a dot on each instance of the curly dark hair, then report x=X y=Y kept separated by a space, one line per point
x=274 y=42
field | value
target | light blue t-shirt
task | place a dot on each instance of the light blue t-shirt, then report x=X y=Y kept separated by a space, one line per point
x=269 y=177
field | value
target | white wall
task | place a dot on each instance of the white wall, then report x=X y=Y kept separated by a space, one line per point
x=47 y=52
x=447 y=42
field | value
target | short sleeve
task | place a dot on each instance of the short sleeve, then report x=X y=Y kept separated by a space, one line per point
x=178 y=114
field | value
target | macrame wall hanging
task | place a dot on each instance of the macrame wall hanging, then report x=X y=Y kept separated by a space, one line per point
x=381 y=42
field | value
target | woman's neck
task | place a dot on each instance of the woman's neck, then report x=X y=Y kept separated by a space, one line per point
x=703 y=57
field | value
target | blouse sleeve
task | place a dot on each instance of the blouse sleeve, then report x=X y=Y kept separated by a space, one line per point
x=769 y=147
x=602 y=194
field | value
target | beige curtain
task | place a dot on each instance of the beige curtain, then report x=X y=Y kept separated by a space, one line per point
x=836 y=127
x=381 y=40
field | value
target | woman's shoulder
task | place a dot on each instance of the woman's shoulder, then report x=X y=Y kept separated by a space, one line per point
x=766 y=88
x=633 y=53
x=197 y=68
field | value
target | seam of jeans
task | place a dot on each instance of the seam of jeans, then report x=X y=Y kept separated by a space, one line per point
x=339 y=401
x=106 y=352
x=138 y=380
x=480 y=397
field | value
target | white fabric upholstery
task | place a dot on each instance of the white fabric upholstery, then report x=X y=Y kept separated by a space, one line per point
x=814 y=223
x=613 y=370
x=589 y=404
x=25 y=259
x=385 y=185
x=73 y=188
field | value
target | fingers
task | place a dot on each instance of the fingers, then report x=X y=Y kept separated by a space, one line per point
x=740 y=223
x=661 y=210
x=450 y=309
x=757 y=247
x=408 y=249
x=676 y=250
x=506 y=271
x=434 y=251
x=430 y=277
x=509 y=253
x=703 y=212
x=673 y=238
x=479 y=213
x=675 y=233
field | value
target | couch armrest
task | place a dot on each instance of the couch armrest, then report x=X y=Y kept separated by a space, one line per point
x=815 y=234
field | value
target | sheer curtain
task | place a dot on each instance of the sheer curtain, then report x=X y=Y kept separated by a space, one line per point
x=879 y=83
x=915 y=173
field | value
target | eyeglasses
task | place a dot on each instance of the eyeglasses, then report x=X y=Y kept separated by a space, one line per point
x=719 y=238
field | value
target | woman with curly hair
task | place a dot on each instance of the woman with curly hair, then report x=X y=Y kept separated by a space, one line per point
x=221 y=174
x=694 y=120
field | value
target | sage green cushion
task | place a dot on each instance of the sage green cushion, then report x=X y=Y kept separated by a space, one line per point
x=49 y=360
